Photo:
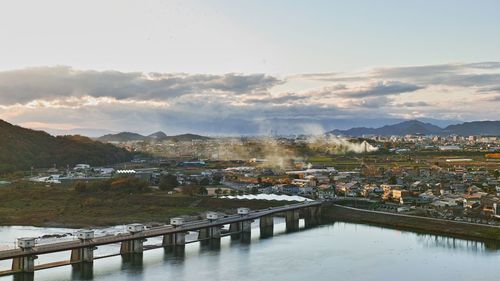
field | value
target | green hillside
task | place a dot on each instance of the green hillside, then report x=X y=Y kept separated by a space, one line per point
x=22 y=148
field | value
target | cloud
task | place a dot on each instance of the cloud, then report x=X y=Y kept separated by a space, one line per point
x=382 y=88
x=453 y=75
x=414 y=104
x=50 y=83
x=284 y=98
x=484 y=65
x=247 y=103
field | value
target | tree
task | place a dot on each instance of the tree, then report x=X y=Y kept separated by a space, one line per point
x=216 y=179
x=255 y=190
x=203 y=190
x=193 y=190
x=120 y=184
x=393 y=180
x=496 y=173
x=204 y=181
x=168 y=182
x=218 y=191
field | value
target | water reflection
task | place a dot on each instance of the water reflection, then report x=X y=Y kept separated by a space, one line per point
x=82 y=271
x=451 y=243
x=24 y=277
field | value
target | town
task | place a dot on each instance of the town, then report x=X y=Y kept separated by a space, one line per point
x=448 y=177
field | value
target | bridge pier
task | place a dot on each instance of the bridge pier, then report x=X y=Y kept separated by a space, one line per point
x=246 y=231
x=312 y=216
x=292 y=220
x=134 y=246
x=214 y=235
x=82 y=255
x=204 y=236
x=211 y=235
x=25 y=264
x=175 y=242
x=266 y=226
x=246 y=226
x=235 y=229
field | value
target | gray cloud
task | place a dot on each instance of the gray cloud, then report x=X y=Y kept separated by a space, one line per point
x=484 y=65
x=382 y=89
x=414 y=104
x=48 y=83
x=247 y=103
x=454 y=75
x=284 y=98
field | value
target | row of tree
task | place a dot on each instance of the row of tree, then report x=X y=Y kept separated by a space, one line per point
x=121 y=184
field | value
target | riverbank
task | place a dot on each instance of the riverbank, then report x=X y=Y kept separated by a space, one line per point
x=64 y=207
x=336 y=212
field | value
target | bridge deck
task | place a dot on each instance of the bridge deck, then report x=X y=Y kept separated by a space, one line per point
x=152 y=232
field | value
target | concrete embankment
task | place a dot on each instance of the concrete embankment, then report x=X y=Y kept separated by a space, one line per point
x=336 y=212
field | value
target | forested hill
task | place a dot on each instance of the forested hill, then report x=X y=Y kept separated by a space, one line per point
x=22 y=148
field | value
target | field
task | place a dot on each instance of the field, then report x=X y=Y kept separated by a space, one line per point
x=414 y=160
x=63 y=206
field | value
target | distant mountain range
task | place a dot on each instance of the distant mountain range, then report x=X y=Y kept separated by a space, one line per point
x=21 y=149
x=412 y=127
x=158 y=136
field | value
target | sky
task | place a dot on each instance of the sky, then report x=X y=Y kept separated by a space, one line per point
x=246 y=67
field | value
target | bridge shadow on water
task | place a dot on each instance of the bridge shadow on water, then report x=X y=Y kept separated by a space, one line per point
x=82 y=271
x=23 y=276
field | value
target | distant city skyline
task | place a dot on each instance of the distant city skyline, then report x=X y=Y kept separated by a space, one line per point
x=234 y=67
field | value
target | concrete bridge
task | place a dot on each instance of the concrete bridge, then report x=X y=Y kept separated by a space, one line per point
x=174 y=236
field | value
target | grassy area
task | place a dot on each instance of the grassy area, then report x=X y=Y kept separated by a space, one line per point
x=63 y=206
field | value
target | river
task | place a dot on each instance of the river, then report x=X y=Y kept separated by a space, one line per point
x=337 y=251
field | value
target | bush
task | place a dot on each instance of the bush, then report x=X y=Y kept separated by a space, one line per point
x=168 y=182
x=122 y=184
x=204 y=181
x=193 y=190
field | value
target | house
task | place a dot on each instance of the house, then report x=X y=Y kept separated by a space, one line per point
x=399 y=193
x=326 y=191
x=291 y=189
x=81 y=167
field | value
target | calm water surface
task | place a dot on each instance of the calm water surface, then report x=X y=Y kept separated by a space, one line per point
x=338 y=251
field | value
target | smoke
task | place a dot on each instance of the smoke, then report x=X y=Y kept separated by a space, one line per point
x=264 y=151
x=335 y=145
x=319 y=141
x=268 y=151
